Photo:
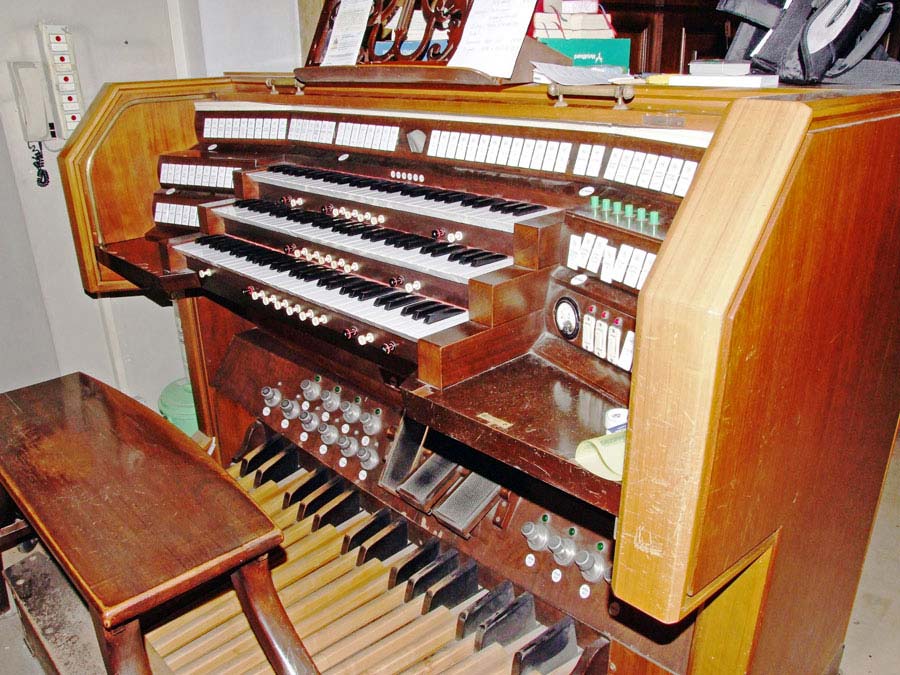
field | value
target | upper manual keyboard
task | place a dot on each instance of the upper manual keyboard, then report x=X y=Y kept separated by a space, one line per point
x=493 y=213
x=454 y=262
x=405 y=314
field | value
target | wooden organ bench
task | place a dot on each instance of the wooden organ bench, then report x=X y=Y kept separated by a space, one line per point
x=134 y=514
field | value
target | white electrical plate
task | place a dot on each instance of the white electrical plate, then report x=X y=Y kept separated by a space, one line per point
x=60 y=65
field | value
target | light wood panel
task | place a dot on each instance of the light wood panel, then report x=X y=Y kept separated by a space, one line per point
x=101 y=171
x=681 y=316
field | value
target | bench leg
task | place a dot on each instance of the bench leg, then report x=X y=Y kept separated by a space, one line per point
x=269 y=621
x=122 y=648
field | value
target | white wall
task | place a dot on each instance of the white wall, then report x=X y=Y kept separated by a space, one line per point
x=48 y=326
x=27 y=353
x=260 y=36
x=128 y=342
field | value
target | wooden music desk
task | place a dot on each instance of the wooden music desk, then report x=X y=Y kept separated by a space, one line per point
x=134 y=514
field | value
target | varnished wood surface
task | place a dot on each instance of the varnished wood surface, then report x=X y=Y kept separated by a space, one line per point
x=530 y=414
x=779 y=417
x=120 y=497
x=673 y=408
x=109 y=186
x=144 y=263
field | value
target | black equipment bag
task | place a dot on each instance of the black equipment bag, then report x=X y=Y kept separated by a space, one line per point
x=813 y=41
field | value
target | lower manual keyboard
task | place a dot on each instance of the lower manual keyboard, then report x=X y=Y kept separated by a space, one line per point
x=408 y=315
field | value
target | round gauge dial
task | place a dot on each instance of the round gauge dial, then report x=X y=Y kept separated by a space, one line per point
x=565 y=314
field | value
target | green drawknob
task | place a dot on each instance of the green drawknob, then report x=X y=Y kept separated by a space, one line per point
x=654 y=217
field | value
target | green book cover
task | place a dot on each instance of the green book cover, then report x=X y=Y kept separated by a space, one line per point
x=593 y=52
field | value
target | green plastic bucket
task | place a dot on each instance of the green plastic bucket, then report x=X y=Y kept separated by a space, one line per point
x=176 y=403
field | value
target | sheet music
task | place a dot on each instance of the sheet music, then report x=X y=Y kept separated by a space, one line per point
x=493 y=36
x=347 y=33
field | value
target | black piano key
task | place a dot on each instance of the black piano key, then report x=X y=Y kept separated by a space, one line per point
x=508 y=624
x=471 y=260
x=384 y=299
x=315 y=274
x=454 y=197
x=552 y=648
x=487 y=202
x=487 y=260
x=422 y=312
x=357 y=290
x=396 y=235
x=496 y=600
x=301 y=217
x=457 y=254
x=362 y=230
x=453 y=590
x=423 y=304
x=375 y=293
x=437 y=195
x=444 y=564
x=426 y=554
x=261 y=257
x=385 y=233
x=416 y=191
x=356 y=282
x=402 y=302
x=528 y=208
x=470 y=254
x=442 y=313
x=346 y=228
x=282 y=265
x=427 y=248
x=471 y=199
x=377 y=522
x=334 y=282
x=299 y=267
x=416 y=241
x=447 y=249
x=502 y=206
x=369 y=234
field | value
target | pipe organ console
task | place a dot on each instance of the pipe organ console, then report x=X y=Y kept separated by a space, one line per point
x=405 y=308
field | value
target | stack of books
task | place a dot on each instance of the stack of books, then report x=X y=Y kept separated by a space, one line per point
x=572 y=26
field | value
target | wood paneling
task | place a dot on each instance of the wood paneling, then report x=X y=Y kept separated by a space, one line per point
x=102 y=171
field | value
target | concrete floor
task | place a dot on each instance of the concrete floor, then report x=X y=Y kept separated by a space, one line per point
x=873 y=637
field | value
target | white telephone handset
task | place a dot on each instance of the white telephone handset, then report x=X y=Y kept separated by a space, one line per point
x=32 y=98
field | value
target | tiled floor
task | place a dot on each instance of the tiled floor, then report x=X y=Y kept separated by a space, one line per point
x=873 y=638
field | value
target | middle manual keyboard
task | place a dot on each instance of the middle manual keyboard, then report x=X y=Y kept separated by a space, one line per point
x=404 y=314
x=453 y=262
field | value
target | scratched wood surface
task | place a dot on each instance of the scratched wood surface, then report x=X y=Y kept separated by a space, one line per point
x=120 y=497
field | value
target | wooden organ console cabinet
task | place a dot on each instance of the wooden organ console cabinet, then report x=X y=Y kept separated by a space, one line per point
x=404 y=307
